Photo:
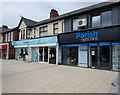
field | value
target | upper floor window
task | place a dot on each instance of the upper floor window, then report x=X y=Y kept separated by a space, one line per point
x=55 y=28
x=22 y=34
x=74 y=24
x=96 y=21
x=28 y=34
x=106 y=18
x=1 y=38
x=34 y=33
x=102 y=19
x=43 y=31
x=11 y=37
x=62 y=27
x=8 y=36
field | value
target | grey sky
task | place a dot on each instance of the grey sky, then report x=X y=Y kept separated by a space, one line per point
x=37 y=11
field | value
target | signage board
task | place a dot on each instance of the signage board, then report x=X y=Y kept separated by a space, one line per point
x=52 y=39
x=3 y=46
x=90 y=36
x=82 y=59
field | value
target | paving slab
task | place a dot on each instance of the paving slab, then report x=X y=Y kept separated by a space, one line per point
x=34 y=77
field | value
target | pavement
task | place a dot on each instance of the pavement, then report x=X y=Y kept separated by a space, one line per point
x=33 y=77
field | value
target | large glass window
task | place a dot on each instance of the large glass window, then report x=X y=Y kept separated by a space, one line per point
x=102 y=19
x=55 y=28
x=75 y=24
x=70 y=56
x=116 y=57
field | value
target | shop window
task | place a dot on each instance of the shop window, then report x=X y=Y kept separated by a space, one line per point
x=43 y=31
x=70 y=56
x=75 y=24
x=102 y=19
x=116 y=57
x=55 y=28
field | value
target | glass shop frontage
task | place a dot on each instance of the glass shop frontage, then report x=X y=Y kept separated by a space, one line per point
x=94 y=48
x=42 y=50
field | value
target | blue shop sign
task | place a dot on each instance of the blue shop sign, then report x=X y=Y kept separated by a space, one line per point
x=105 y=44
x=116 y=43
x=93 y=44
x=36 y=41
x=74 y=45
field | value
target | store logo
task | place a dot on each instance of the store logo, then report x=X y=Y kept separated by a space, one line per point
x=90 y=36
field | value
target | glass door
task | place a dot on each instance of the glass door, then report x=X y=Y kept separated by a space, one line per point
x=94 y=56
x=41 y=54
x=52 y=55
x=45 y=54
x=105 y=57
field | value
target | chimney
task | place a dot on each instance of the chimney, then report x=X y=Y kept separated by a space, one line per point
x=4 y=26
x=53 y=13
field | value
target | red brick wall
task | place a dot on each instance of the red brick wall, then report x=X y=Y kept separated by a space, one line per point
x=15 y=35
x=11 y=48
x=11 y=53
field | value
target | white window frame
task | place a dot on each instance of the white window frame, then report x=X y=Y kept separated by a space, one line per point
x=55 y=28
x=11 y=36
x=6 y=39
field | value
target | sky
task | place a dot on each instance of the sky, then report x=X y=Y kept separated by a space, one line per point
x=11 y=12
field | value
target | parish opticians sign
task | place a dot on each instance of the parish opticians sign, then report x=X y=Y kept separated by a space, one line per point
x=89 y=36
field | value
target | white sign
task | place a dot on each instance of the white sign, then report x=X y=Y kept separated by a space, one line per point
x=83 y=56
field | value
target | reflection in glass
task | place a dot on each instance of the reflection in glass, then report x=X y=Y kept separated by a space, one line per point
x=40 y=53
x=70 y=56
x=45 y=54
x=96 y=21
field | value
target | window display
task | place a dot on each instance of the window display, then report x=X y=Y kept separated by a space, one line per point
x=70 y=56
x=116 y=57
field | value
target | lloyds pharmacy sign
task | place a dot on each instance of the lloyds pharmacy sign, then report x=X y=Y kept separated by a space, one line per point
x=89 y=36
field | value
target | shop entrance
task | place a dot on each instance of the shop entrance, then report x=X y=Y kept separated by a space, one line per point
x=47 y=55
x=52 y=55
x=100 y=57
x=105 y=57
x=43 y=54
x=94 y=56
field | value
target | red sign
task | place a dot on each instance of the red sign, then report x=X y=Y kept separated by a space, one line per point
x=3 y=46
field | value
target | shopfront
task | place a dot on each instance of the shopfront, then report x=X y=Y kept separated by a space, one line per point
x=4 y=50
x=92 y=48
x=42 y=50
